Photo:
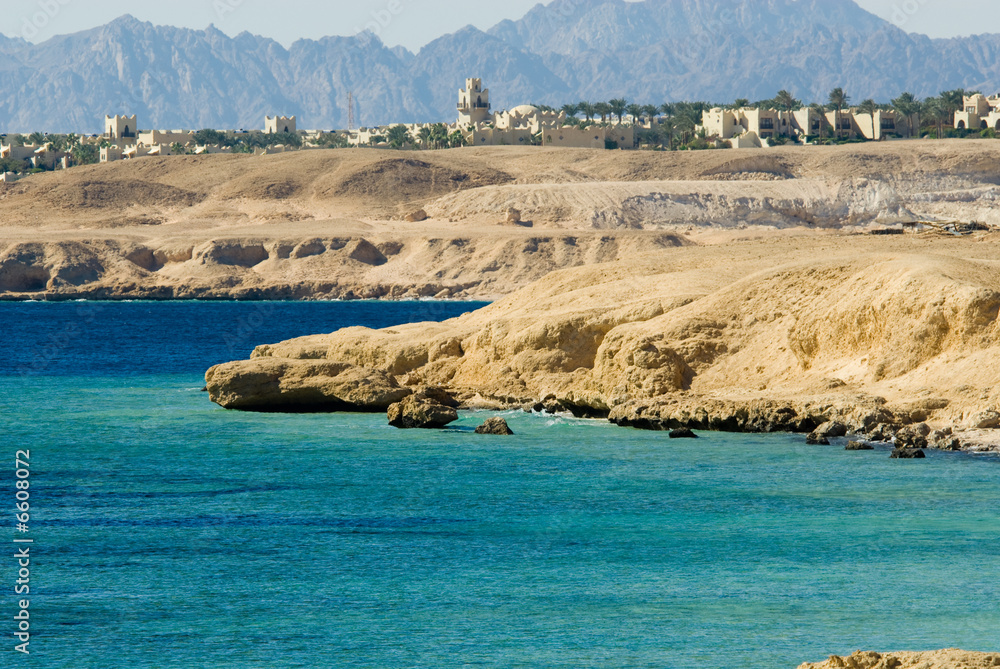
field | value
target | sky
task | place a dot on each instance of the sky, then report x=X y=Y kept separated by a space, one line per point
x=411 y=23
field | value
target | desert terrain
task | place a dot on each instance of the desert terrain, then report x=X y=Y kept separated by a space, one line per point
x=332 y=224
x=737 y=290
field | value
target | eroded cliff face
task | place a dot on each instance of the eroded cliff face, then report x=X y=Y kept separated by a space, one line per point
x=341 y=224
x=869 y=339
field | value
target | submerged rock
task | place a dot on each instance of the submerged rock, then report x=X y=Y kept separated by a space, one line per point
x=859 y=446
x=908 y=454
x=816 y=440
x=496 y=426
x=682 y=433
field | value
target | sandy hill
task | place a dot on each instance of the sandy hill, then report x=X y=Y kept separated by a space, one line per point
x=332 y=223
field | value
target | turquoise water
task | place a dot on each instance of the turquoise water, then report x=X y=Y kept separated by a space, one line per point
x=170 y=533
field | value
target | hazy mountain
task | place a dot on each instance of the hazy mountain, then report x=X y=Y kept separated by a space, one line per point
x=650 y=51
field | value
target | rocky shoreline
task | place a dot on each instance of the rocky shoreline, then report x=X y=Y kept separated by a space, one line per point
x=902 y=348
x=951 y=658
x=274 y=385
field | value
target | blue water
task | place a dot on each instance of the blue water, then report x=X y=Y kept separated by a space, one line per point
x=171 y=533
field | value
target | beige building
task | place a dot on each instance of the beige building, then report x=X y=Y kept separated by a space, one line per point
x=121 y=128
x=751 y=127
x=274 y=125
x=979 y=113
x=154 y=137
x=473 y=103
x=594 y=137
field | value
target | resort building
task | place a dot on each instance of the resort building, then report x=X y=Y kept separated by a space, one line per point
x=749 y=126
x=125 y=128
x=473 y=103
x=274 y=125
x=979 y=113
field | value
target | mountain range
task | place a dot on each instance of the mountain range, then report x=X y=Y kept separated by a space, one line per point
x=651 y=51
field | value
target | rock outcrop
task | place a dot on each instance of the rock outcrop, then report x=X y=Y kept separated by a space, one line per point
x=941 y=659
x=429 y=408
x=496 y=426
x=874 y=346
x=271 y=385
x=859 y=446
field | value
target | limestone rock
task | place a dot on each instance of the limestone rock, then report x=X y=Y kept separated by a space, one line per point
x=822 y=434
x=549 y=405
x=859 y=446
x=913 y=436
x=496 y=425
x=294 y=386
x=940 y=659
x=416 y=216
x=365 y=252
x=985 y=420
x=831 y=428
x=682 y=433
x=882 y=433
x=908 y=454
x=421 y=411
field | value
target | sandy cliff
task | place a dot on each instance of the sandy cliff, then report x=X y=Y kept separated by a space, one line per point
x=755 y=336
x=331 y=224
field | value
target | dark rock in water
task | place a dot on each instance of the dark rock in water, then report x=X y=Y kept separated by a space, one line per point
x=908 y=454
x=205 y=389
x=549 y=405
x=420 y=412
x=496 y=426
x=859 y=446
x=913 y=436
x=816 y=440
x=682 y=433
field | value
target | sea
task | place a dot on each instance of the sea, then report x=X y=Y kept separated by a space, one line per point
x=168 y=532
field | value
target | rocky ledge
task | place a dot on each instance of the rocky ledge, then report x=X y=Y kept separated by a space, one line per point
x=301 y=386
x=903 y=348
x=941 y=659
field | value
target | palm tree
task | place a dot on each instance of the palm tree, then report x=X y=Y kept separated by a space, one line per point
x=740 y=103
x=636 y=112
x=618 y=107
x=587 y=109
x=838 y=100
x=952 y=101
x=398 y=136
x=820 y=111
x=36 y=138
x=570 y=110
x=424 y=135
x=907 y=105
x=650 y=112
x=937 y=110
x=785 y=101
x=869 y=107
x=439 y=135
x=687 y=115
x=603 y=109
